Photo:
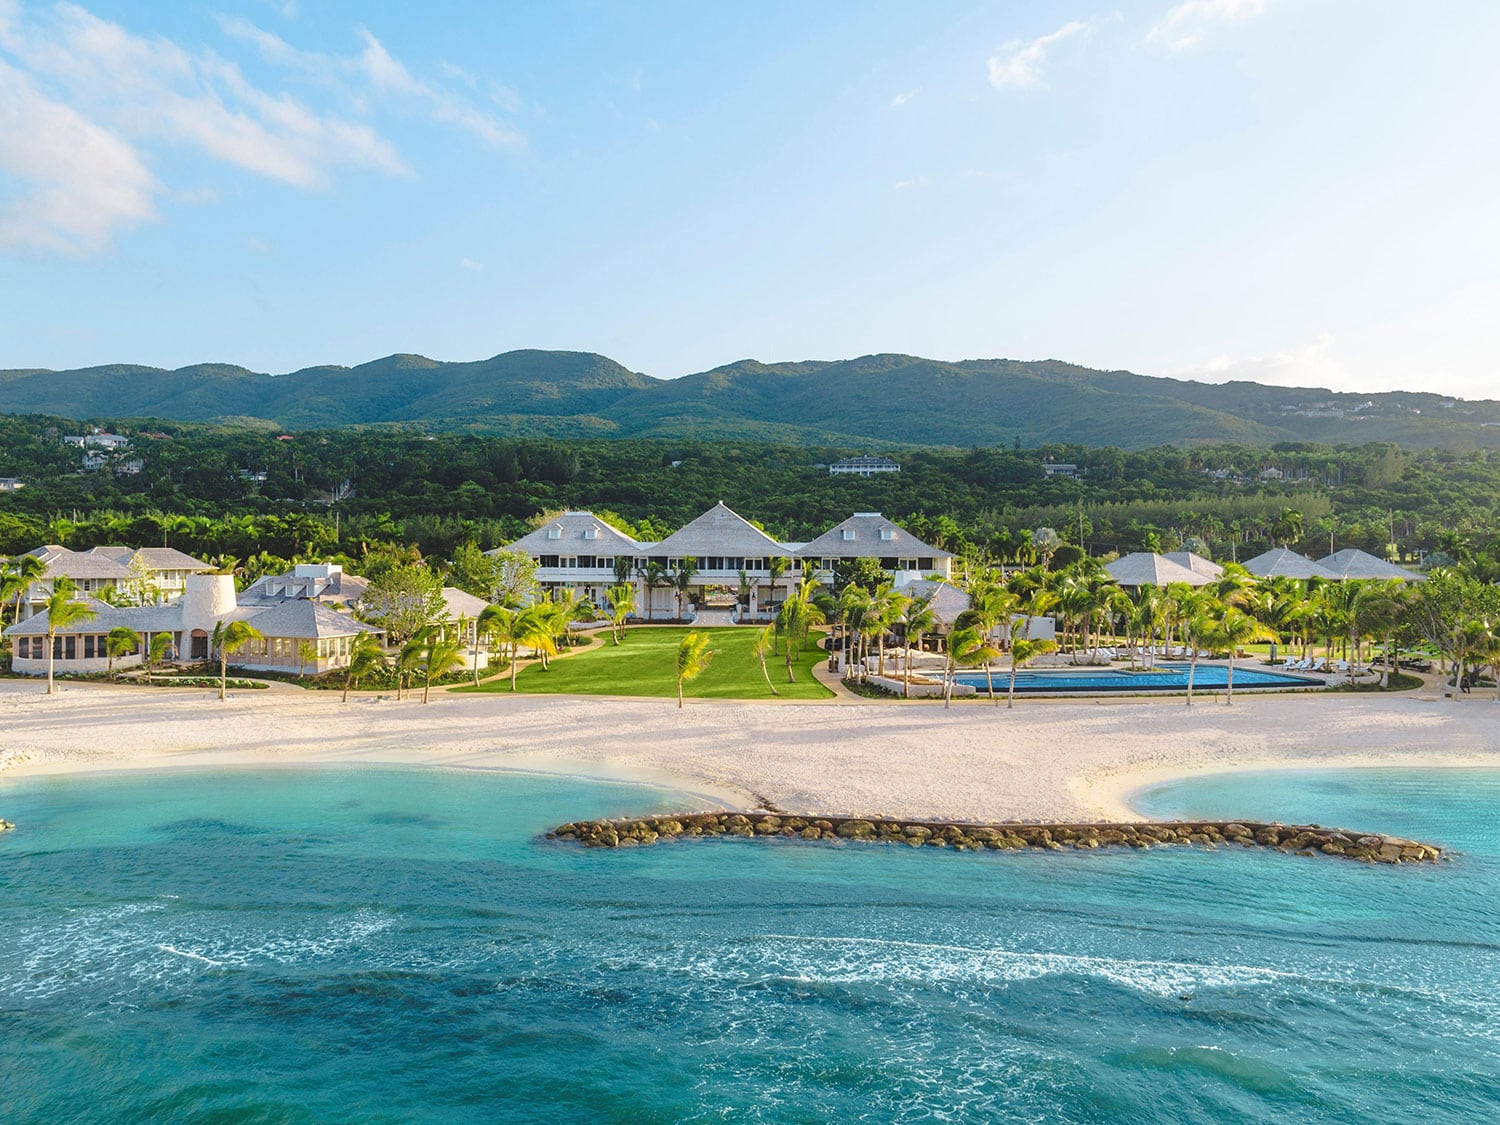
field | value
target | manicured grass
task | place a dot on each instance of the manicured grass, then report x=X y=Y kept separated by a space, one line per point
x=645 y=664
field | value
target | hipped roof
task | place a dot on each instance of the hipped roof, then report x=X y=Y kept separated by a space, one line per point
x=1143 y=568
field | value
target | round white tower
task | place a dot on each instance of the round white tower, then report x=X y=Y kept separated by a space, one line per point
x=206 y=601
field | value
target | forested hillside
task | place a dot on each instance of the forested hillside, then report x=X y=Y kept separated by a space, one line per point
x=889 y=399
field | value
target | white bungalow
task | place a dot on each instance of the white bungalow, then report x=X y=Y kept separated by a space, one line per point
x=208 y=599
x=145 y=575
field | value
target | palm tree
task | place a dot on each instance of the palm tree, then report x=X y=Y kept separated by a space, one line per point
x=693 y=656
x=1237 y=628
x=228 y=639
x=307 y=653
x=763 y=646
x=409 y=658
x=1196 y=627
x=991 y=605
x=967 y=648
x=654 y=576
x=1287 y=527
x=120 y=641
x=25 y=569
x=853 y=607
x=1022 y=652
x=440 y=657
x=62 y=611
x=365 y=657
x=155 y=651
x=621 y=605
x=775 y=568
x=687 y=570
x=886 y=608
x=916 y=620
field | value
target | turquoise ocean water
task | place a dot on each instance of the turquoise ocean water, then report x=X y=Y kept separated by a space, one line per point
x=378 y=945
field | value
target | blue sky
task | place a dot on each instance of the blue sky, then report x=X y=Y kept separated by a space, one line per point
x=1296 y=191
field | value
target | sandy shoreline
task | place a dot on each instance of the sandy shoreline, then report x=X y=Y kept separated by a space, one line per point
x=1052 y=761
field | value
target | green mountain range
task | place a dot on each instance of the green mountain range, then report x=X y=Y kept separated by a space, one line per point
x=885 y=400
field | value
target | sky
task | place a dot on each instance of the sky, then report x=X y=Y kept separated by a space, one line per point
x=1301 y=192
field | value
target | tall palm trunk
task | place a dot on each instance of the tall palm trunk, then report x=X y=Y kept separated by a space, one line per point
x=1192 y=672
x=1229 y=692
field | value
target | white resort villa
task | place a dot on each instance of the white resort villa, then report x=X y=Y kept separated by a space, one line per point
x=142 y=576
x=582 y=554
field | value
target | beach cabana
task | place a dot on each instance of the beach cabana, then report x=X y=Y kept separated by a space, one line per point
x=1142 y=568
x=1285 y=563
x=1196 y=563
x=1353 y=564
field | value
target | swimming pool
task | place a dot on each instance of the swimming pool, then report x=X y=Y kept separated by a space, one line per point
x=1164 y=677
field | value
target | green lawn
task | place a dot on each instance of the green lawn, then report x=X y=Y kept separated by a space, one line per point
x=645 y=664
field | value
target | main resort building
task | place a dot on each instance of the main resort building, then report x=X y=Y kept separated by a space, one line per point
x=580 y=553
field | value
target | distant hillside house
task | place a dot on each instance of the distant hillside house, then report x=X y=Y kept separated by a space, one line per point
x=1072 y=472
x=96 y=441
x=863 y=466
x=11 y=484
x=577 y=553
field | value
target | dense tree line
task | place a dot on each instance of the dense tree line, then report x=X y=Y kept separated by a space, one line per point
x=240 y=492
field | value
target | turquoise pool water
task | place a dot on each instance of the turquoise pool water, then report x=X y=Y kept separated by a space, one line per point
x=375 y=945
x=1165 y=677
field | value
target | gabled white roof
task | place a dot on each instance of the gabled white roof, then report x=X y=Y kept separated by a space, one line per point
x=860 y=536
x=1282 y=562
x=718 y=531
x=1142 y=568
x=1352 y=563
x=574 y=533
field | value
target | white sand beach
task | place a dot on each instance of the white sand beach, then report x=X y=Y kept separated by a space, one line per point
x=1043 y=761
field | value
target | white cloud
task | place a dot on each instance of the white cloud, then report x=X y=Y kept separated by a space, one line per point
x=915 y=181
x=84 y=102
x=471 y=265
x=1020 y=62
x=80 y=180
x=1310 y=366
x=901 y=99
x=375 y=71
x=1191 y=20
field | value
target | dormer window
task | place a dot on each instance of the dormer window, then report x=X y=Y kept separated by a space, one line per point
x=848 y=534
x=554 y=532
x=887 y=534
x=591 y=533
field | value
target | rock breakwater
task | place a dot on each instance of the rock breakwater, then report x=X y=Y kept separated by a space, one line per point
x=1298 y=839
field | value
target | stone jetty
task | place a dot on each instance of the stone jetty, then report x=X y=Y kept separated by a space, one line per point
x=1298 y=839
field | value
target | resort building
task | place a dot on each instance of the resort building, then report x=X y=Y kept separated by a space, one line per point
x=296 y=635
x=143 y=576
x=580 y=553
x=863 y=467
x=11 y=484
